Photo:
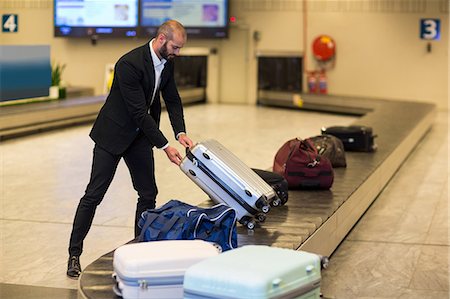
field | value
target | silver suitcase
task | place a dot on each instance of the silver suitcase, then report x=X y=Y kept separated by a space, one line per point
x=226 y=179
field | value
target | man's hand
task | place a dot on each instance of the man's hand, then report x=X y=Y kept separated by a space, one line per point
x=173 y=155
x=185 y=141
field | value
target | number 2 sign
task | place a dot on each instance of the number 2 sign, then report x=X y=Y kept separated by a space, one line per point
x=430 y=29
x=10 y=23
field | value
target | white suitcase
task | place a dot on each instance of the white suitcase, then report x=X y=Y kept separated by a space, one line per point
x=255 y=271
x=226 y=179
x=156 y=269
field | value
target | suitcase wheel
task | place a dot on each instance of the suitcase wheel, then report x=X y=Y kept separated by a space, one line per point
x=276 y=202
x=283 y=196
x=261 y=217
x=192 y=172
x=206 y=156
x=324 y=262
x=248 y=222
x=251 y=224
x=265 y=209
x=262 y=205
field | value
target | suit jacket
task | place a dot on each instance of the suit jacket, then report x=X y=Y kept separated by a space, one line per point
x=127 y=109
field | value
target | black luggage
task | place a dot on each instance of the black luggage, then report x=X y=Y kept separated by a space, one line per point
x=276 y=181
x=331 y=147
x=354 y=138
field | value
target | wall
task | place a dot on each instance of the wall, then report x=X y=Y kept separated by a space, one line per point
x=379 y=53
x=85 y=63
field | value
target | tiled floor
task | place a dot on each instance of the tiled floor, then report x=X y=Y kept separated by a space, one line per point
x=399 y=249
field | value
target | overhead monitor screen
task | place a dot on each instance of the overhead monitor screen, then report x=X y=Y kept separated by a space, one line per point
x=201 y=18
x=79 y=18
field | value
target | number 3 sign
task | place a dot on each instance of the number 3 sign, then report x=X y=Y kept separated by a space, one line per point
x=10 y=23
x=430 y=29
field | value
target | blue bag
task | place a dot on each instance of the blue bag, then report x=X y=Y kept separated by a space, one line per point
x=177 y=220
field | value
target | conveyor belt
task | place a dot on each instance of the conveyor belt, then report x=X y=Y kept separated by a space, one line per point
x=30 y=118
x=318 y=221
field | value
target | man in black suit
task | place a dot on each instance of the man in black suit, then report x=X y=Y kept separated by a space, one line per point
x=127 y=127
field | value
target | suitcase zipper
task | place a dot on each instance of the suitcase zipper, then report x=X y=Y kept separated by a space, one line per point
x=144 y=283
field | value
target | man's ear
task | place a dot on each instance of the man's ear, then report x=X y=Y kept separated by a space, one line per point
x=161 y=38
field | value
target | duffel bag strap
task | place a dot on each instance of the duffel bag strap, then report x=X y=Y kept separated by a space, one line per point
x=150 y=219
x=167 y=226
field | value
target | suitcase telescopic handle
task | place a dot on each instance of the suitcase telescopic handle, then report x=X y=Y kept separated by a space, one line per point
x=188 y=153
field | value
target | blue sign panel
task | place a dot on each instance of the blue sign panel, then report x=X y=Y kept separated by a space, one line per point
x=10 y=23
x=430 y=29
x=25 y=72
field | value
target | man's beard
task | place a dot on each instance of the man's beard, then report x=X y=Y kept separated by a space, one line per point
x=164 y=53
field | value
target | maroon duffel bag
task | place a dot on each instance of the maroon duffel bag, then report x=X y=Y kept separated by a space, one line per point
x=300 y=164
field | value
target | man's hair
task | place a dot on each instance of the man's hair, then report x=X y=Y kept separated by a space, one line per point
x=169 y=27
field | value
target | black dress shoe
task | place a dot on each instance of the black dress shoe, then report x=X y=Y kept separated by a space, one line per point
x=74 y=267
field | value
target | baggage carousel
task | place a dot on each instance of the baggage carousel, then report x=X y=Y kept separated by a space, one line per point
x=22 y=117
x=317 y=221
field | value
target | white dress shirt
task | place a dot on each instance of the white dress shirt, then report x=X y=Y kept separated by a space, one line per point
x=158 y=65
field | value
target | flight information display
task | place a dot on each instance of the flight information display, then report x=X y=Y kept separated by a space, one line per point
x=201 y=18
x=96 y=17
x=128 y=18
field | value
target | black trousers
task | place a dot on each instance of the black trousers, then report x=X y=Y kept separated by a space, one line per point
x=139 y=160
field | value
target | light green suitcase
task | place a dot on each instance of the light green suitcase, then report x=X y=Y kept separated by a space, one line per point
x=255 y=271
